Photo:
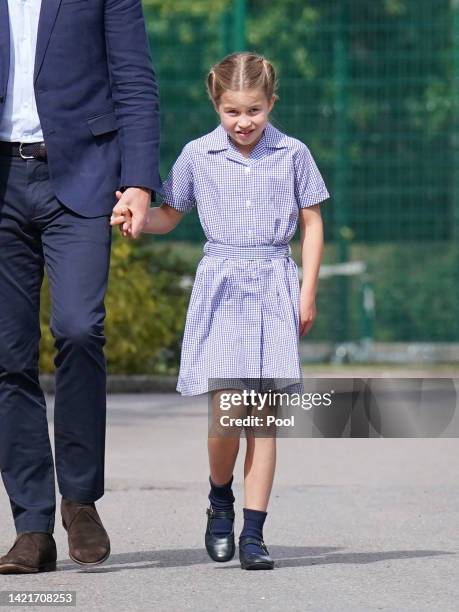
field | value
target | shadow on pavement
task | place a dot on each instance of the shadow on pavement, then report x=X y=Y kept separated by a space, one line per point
x=285 y=556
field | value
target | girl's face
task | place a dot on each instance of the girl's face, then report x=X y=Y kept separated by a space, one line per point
x=244 y=115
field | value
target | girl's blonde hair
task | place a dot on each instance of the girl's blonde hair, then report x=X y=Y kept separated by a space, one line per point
x=241 y=71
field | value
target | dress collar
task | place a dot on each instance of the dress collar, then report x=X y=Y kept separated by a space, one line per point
x=272 y=138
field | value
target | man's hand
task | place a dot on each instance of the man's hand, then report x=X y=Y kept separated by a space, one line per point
x=137 y=201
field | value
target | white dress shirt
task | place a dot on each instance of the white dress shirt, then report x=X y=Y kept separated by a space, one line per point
x=20 y=121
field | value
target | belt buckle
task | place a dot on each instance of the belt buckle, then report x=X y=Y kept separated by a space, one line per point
x=22 y=154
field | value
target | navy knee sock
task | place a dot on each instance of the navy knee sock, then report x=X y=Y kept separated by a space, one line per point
x=221 y=498
x=253 y=528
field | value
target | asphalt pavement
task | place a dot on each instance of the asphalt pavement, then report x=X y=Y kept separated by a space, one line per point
x=354 y=524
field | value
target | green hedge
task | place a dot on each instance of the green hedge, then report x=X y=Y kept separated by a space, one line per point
x=146 y=308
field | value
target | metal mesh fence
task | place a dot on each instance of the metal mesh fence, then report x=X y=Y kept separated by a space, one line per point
x=372 y=88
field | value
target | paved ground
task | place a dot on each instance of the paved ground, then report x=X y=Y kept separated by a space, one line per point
x=353 y=524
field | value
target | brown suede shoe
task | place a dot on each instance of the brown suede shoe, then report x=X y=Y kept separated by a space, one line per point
x=31 y=553
x=89 y=543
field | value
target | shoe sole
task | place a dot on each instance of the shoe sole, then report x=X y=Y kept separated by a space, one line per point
x=17 y=568
x=89 y=563
x=257 y=566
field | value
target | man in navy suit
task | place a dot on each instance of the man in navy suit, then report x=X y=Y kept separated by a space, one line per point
x=79 y=119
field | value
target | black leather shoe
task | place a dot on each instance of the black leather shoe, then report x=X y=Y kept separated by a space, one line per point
x=32 y=552
x=254 y=561
x=220 y=548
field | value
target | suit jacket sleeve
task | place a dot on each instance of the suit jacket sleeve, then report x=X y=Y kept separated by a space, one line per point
x=135 y=93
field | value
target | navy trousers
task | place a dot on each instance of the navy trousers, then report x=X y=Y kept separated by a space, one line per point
x=36 y=230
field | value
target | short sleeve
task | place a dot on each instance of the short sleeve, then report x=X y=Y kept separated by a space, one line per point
x=178 y=188
x=309 y=185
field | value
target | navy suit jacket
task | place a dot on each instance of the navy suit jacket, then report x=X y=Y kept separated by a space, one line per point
x=97 y=99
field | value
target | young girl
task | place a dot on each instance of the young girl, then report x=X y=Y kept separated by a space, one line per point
x=250 y=183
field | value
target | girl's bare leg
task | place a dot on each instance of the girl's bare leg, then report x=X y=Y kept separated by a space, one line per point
x=259 y=467
x=222 y=443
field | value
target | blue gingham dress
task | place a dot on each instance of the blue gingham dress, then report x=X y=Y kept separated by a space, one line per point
x=243 y=315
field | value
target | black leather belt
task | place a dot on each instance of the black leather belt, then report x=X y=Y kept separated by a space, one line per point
x=26 y=150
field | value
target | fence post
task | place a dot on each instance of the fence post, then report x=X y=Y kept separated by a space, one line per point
x=240 y=16
x=455 y=154
x=367 y=313
x=233 y=28
x=343 y=232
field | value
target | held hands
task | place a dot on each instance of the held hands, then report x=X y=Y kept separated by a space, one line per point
x=307 y=311
x=122 y=216
x=130 y=212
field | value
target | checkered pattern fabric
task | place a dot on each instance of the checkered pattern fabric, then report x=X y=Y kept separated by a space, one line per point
x=243 y=315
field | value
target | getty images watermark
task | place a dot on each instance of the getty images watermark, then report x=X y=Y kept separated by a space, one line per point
x=335 y=407
x=265 y=404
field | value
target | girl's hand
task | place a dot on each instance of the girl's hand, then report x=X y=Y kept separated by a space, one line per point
x=307 y=312
x=137 y=200
x=122 y=216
